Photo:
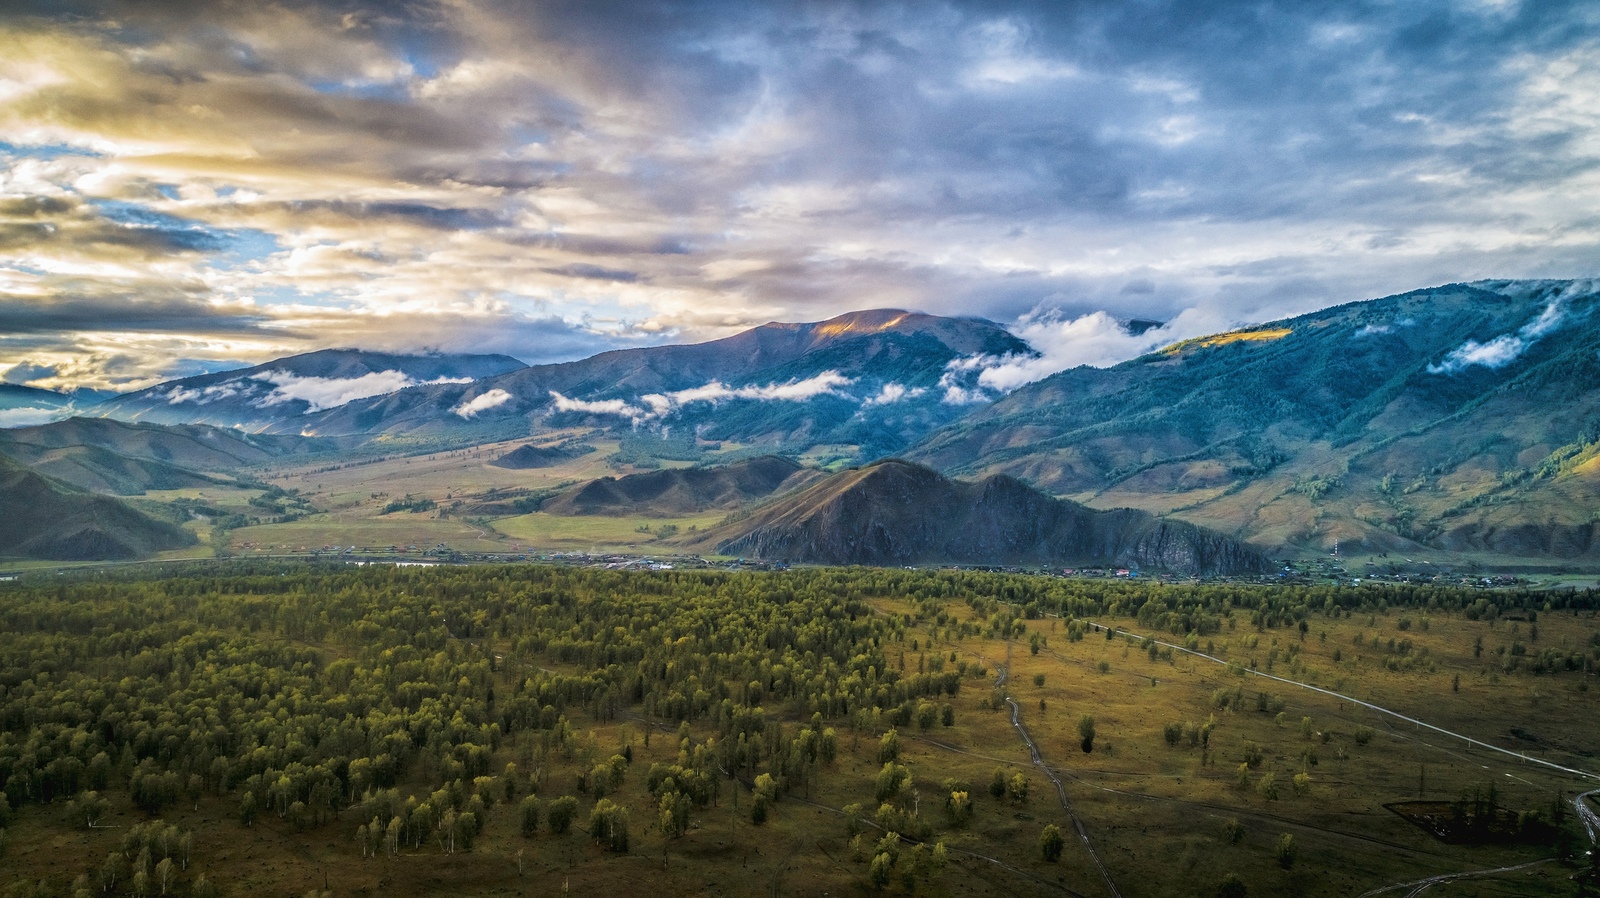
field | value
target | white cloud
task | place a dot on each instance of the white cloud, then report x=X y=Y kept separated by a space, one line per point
x=482 y=403
x=1097 y=339
x=659 y=405
x=1504 y=349
x=828 y=383
x=602 y=407
x=30 y=416
x=330 y=392
x=892 y=393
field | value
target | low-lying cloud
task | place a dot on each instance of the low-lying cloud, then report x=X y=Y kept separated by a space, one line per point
x=322 y=393
x=654 y=406
x=482 y=403
x=1096 y=339
x=892 y=393
x=32 y=416
x=1504 y=349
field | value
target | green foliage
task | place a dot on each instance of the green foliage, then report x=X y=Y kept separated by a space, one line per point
x=529 y=812
x=1017 y=788
x=608 y=826
x=1086 y=733
x=562 y=812
x=1285 y=851
x=891 y=781
x=889 y=747
x=1051 y=843
x=408 y=503
x=1232 y=830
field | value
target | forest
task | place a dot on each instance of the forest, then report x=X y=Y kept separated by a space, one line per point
x=217 y=729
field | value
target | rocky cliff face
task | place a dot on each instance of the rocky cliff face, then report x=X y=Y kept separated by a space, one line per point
x=897 y=513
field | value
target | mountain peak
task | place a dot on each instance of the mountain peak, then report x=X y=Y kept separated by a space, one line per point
x=869 y=321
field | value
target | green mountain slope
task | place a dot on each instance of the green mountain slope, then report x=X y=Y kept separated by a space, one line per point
x=1461 y=418
x=107 y=456
x=894 y=513
x=45 y=519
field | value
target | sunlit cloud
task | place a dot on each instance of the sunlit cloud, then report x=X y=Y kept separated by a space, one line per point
x=187 y=188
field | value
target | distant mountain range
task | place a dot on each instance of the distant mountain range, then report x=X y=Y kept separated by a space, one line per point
x=895 y=513
x=1464 y=417
x=877 y=380
x=872 y=381
x=21 y=406
x=279 y=395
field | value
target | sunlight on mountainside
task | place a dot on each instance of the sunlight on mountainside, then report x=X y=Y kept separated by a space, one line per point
x=1262 y=334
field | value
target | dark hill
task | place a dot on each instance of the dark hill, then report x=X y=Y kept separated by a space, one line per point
x=895 y=513
x=45 y=519
x=528 y=457
x=683 y=490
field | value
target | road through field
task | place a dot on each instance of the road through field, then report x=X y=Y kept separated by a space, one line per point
x=1061 y=790
x=1521 y=756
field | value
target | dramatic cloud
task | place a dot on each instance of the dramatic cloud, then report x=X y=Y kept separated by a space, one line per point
x=188 y=185
x=482 y=402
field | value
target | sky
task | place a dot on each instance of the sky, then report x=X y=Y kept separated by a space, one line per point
x=193 y=186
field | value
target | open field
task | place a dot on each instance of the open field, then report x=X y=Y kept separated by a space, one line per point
x=595 y=533
x=352 y=497
x=1164 y=816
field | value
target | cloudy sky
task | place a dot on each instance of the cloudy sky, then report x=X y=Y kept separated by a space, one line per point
x=189 y=185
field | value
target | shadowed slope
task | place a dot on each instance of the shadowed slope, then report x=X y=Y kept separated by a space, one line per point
x=896 y=513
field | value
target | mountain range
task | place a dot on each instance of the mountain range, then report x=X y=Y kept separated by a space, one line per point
x=684 y=491
x=1462 y=419
x=877 y=380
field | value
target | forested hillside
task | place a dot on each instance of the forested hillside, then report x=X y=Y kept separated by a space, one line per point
x=245 y=729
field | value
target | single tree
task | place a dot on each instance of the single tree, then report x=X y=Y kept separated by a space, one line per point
x=1051 y=843
x=1285 y=851
x=1086 y=733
